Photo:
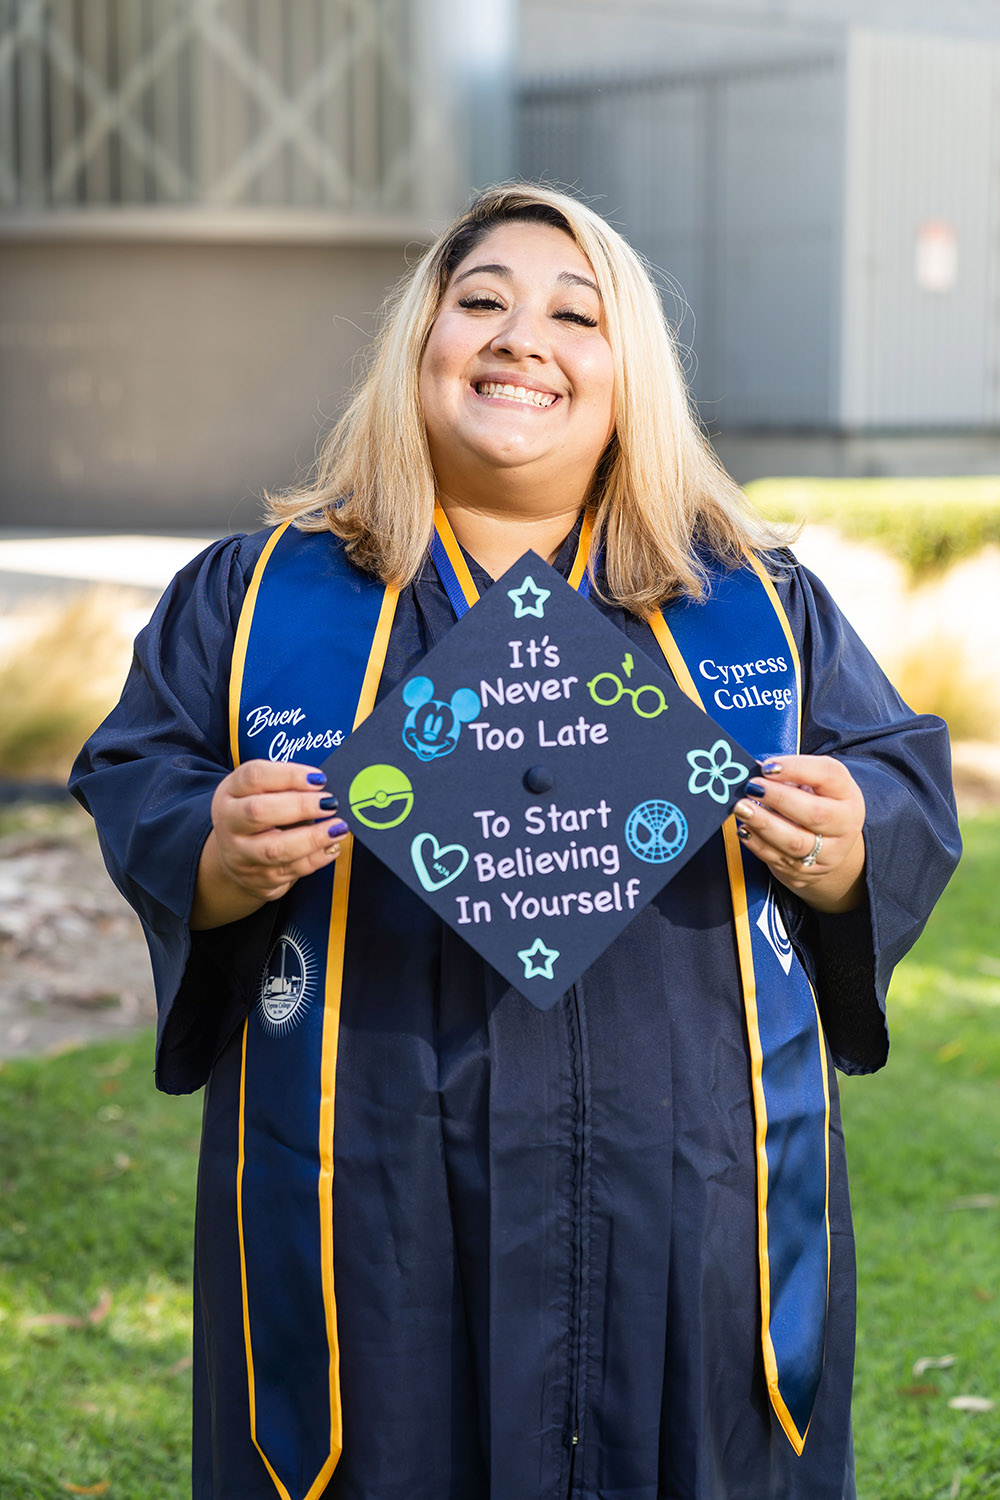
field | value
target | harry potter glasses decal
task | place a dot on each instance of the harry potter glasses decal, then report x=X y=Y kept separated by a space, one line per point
x=432 y=727
x=519 y=598
x=647 y=701
x=714 y=771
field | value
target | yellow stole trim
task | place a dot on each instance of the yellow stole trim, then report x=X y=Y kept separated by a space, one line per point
x=455 y=555
x=242 y=640
x=582 y=559
x=331 y=1040
x=744 y=950
x=331 y=1031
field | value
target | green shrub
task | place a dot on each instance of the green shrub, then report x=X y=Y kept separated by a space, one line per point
x=926 y=523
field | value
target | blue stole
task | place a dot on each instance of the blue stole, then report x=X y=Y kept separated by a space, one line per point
x=297 y=689
x=724 y=642
x=295 y=697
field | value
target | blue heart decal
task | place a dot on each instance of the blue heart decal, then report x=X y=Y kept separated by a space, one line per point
x=443 y=864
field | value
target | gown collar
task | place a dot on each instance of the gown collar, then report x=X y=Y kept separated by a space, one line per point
x=464 y=579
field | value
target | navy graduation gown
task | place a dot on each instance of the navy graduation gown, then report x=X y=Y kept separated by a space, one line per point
x=545 y=1252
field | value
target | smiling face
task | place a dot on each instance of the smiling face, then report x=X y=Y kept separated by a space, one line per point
x=517 y=376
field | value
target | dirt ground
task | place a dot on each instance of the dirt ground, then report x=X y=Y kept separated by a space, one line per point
x=73 y=964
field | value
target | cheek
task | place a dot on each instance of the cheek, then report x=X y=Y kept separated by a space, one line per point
x=429 y=370
x=599 y=380
x=423 y=384
x=442 y=377
x=610 y=400
x=447 y=349
x=434 y=389
x=597 y=373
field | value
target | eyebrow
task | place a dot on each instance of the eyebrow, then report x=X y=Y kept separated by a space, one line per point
x=567 y=278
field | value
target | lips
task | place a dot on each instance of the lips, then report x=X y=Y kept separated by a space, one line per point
x=496 y=390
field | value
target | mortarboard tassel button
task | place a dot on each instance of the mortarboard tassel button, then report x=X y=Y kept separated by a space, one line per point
x=539 y=779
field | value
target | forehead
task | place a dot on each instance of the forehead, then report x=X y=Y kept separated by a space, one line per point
x=530 y=251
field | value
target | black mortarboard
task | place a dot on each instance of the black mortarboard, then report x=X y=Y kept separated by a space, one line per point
x=538 y=780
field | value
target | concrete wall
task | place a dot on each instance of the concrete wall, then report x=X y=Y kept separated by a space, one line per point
x=750 y=455
x=573 y=36
x=729 y=183
x=164 y=385
x=834 y=224
x=921 y=254
x=774 y=314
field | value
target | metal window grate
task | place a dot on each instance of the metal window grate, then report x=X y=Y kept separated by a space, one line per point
x=221 y=103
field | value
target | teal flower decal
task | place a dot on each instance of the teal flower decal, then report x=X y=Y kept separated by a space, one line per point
x=714 y=771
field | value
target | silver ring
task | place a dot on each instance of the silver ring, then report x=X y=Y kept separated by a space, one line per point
x=808 y=860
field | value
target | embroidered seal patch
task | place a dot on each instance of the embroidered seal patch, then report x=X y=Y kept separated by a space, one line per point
x=773 y=928
x=286 y=983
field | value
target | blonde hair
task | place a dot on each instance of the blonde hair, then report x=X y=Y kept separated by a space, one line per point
x=659 y=492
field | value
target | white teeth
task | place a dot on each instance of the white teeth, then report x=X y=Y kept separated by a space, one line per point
x=494 y=390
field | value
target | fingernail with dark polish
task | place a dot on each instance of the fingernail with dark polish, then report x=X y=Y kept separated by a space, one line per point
x=770 y=767
x=336 y=829
x=316 y=778
x=743 y=830
x=328 y=804
x=754 y=789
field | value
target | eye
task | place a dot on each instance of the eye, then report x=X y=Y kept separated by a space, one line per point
x=481 y=301
x=571 y=315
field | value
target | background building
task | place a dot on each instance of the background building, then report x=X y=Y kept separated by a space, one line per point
x=574 y=36
x=202 y=203
x=822 y=198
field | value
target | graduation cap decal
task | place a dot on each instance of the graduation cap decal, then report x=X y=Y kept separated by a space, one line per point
x=538 y=780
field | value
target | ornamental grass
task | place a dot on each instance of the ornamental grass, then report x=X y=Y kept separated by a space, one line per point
x=62 y=664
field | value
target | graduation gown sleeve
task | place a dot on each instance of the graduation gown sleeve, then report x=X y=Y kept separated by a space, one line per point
x=901 y=761
x=147 y=776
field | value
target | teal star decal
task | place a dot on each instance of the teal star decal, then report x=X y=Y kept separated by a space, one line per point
x=533 y=969
x=521 y=608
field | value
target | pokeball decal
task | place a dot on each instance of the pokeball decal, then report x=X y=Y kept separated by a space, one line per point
x=381 y=796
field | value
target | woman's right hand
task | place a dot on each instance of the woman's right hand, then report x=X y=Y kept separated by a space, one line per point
x=272 y=823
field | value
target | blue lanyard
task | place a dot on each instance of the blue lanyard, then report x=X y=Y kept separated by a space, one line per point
x=453 y=570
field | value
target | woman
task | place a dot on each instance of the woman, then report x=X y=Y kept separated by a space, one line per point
x=549 y=1264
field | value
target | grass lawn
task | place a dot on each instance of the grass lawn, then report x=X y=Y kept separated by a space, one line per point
x=923 y=1142
x=96 y=1194
x=97 y=1178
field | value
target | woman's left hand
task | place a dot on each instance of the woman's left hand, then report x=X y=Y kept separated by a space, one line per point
x=804 y=818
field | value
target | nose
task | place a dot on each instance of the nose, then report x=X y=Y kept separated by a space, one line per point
x=523 y=335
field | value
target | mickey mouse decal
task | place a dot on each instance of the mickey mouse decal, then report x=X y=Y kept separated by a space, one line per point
x=432 y=727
